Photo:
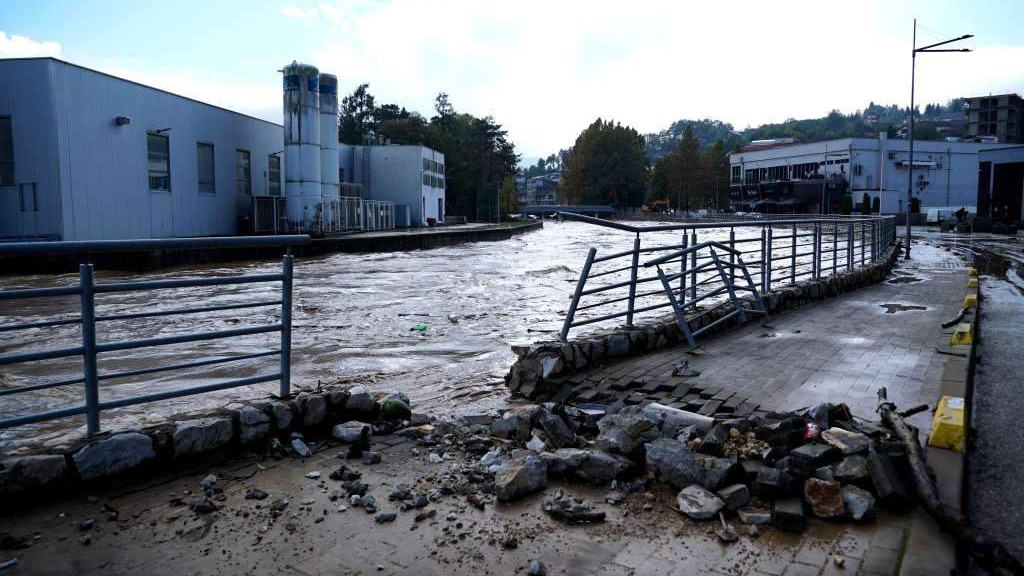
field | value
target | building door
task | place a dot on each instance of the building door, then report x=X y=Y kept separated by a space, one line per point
x=28 y=198
x=440 y=210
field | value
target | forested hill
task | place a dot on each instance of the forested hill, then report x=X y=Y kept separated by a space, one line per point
x=834 y=125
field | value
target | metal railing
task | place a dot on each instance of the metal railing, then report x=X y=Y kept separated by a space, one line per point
x=779 y=252
x=332 y=216
x=91 y=348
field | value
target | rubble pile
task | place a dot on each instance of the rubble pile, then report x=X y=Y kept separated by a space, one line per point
x=768 y=467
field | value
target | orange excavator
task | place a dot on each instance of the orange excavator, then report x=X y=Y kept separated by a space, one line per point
x=660 y=205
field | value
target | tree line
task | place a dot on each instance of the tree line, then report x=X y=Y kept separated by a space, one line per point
x=478 y=155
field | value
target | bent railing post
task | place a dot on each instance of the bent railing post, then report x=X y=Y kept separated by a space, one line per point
x=792 y=264
x=693 y=267
x=571 y=313
x=89 y=371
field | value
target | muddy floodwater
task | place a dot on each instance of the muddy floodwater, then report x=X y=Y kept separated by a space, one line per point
x=352 y=321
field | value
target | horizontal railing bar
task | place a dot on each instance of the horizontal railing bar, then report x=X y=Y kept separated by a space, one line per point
x=188 y=391
x=622 y=284
x=116 y=375
x=141 y=244
x=39 y=292
x=705 y=225
x=44 y=355
x=43 y=386
x=618 y=315
x=42 y=417
x=185 y=283
x=186 y=311
x=164 y=340
x=44 y=324
x=715 y=323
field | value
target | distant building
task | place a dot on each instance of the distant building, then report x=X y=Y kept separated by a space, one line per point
x=89 y=156
x=813 y=177
x=996 y=117
x=412 y=176
x=770 y=143
x=1001 y=183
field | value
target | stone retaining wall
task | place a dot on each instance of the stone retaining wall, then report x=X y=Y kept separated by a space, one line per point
x=83 y=461
x=541 y=364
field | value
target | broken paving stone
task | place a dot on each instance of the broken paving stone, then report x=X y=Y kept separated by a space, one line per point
x=385 y=517
x=845 y=441
x=824 y=473
x=255 y=494
x=371 y=457
x=626 y=431
x=735 y=496
x=890 y=487
x=817 y=454
x=859 y=503
x=825 y=497
x=851 y=470
x=698 y=503
x=755 y=514
x=518 y=478
x=567 y=509
x=557 y=431
x=795 y=466
x=714 y=441
x=788 y=514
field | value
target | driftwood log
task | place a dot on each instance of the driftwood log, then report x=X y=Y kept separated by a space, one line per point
x=987 y=553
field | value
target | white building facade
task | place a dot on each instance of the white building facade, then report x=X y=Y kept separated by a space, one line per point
x=89 y=156
x=945 y=173
x=411 y=176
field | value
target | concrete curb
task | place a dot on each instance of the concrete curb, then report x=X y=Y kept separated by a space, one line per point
x=539 y=364
x=77 y=461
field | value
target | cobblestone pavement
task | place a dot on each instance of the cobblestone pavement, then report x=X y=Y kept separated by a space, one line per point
x=837 y=350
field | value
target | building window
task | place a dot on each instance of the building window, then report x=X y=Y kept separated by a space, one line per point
x=426 y=164
x=243 y=175
x=6 y=152
x=274 y=175
x=204 y=168
x=426 y=179
x=158 y=150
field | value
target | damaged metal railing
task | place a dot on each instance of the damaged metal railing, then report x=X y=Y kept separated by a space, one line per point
x=91 y=348
x=778 y=252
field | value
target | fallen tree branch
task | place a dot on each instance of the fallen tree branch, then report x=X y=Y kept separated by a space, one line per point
x=988 y=553
x=954 y=321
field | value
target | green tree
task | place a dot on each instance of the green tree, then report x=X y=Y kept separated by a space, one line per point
x=357 y=116
x=607 y=165
x=684 y=171
x=509 y=202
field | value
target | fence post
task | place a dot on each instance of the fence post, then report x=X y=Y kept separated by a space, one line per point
x=816 y=252
x=764 y=251
x=768 y=261
x=571 y=312
x=863 y=240
x=849 y=246
x=792 y=265
x=732 y=244
x=86 y=281
x=286 y=325
x=682 y=269
x=693 y=267
x=632 y=280
x=835 y=245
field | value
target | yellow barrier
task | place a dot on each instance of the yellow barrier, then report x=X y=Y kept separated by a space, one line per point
x=971 y=301
x=972 y=283
x=962 y=335
x=948 y=424
x=972 y=271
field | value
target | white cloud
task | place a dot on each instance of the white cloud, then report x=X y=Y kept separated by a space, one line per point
x=300 y=13
x=547 y=69
x=15 y=46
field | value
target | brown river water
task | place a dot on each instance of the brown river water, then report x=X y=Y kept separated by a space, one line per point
x=352 y=321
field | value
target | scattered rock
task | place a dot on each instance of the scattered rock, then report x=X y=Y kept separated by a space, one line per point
x=350 y=432
x=846 y=442
x=203 y=506
x=754 y=514
x=859 y=503
x=360 y=400
x=371 y=458
x=314 y=475
x=816 y=454
x=557 y=431
x=735 y=496
x=518 y=478
x=851 y=470
x=626 y=431
x=425 y=515
x=255 y=494
x=698 y=503
x=385 y=517
x=567 y=509
x=825 y=497
x=86 y=525
x=300 y=448
x=537 y=568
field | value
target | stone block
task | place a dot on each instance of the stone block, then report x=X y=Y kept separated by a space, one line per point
x=254 y=424
x=846 y=442
x=618 y=346
x=859 y=503
x=113 y=455
x=816 y=454
x=201 y=435
x=314 y=410
x=25 y=473
x=774 y=483
x=824 y=497
x=698 y=503
x=520 y=477
x=851 y=470
x=788 y=514
x=754 y=515
x=735 y=496
x=283 y=414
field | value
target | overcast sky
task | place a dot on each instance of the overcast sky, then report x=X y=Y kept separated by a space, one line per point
x=543 y=69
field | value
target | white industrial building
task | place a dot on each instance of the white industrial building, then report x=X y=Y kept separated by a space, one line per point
x=411 y=176
x=88 y=156
x=807 y=177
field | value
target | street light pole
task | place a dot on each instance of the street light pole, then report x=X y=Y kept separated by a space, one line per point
x=910 y=134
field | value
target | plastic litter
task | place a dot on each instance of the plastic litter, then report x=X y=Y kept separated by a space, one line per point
x=421 y=328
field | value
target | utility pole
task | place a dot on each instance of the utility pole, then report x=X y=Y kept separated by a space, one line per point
x=910 y=134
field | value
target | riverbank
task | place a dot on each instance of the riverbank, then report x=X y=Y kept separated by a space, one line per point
x=359 y=242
